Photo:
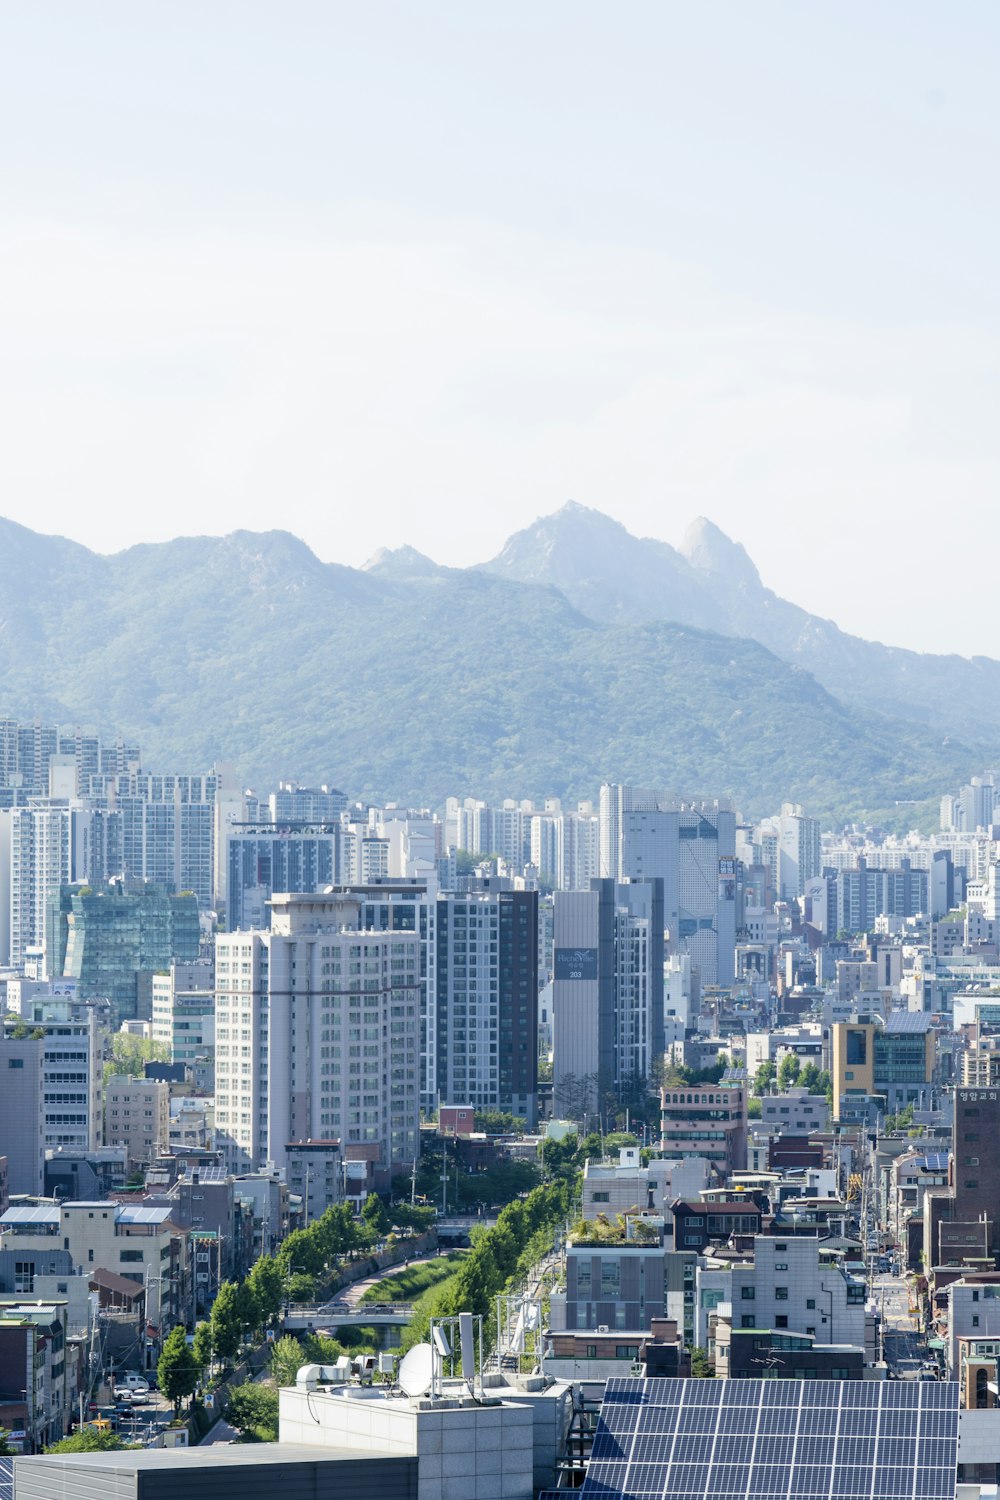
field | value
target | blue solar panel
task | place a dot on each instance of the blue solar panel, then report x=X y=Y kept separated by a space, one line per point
x=775 y=1440
x=6 y=1479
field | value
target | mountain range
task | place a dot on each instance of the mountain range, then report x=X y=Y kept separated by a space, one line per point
x=580 y=653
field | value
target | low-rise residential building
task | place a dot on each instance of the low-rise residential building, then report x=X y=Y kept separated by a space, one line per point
x=793 y=1284
x=795 y=1112
x=34 y=1408
x=137 y=1116
x=973 y=1313
x=707 y=1120
x=699 y=1223
x=314 y=1171
x=134 y=1240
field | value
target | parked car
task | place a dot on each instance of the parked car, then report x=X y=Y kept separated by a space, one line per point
x=129 y=1383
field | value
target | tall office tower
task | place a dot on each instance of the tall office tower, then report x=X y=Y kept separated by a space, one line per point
x=607 y=997
x=114 y=940
x=269 y=857
x=691 y=847
x=799 y=855
x=616 y=801
x=409 y=906
x=42 y=860
x=292 y=803
x=317 y=1035
x=487 y=1000
x=578 y=849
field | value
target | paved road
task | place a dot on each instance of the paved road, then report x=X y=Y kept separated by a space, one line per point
x=903 y=1339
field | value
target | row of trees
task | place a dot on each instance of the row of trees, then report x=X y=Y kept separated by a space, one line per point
x=790 y=1073
x=500 y=1257
x=244 y=1310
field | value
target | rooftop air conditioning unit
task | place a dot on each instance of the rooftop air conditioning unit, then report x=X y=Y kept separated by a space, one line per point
x=602 y=1328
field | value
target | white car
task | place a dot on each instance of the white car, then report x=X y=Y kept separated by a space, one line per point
x=130 y=1384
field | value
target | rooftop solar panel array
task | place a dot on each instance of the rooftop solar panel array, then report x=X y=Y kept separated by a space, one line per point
x=936 y=1161
x=775 y=1440
x=6 y=1479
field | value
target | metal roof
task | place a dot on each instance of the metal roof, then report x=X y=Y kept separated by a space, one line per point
x=29 y=1216
x=133 y=1214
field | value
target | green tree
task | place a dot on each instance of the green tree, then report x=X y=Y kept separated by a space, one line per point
x=303 y=1250
x=559 y=1158
x=286 y=1360
x=788 y=1071
x=754 y=1109
x=809 y=1077
x=764 y=1077
x=177 y=1371
x=88 y=1440
x=701 y=1366
x=498 y=1122
x=267 y=1287
x=227 y=1329
x=202 y=1346
x=129 y=1053
x=375 y=1217
x=253 y=1410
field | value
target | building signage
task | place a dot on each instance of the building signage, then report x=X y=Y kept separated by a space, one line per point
x=576 y=963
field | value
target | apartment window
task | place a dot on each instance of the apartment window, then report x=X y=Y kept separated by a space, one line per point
x=601 y=1197
x=15 y=1062
x=781 y=1294
x=131 y=1255
x=781 y=1320
x=975 y=1320
x=811 y=1303
x=748 y=1293
x=747 y=1320
x=591 y=1351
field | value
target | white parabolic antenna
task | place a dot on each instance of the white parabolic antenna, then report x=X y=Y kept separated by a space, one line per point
x=416 y=1370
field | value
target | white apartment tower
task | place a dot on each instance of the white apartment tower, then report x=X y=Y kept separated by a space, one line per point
x=317 y=1034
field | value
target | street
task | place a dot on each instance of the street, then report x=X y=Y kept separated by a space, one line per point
x=902 y=1339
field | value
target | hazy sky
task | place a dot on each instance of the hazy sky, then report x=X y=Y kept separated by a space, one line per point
x=416 y=272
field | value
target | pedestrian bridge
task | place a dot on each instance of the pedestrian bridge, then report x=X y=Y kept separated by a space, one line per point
x=310 y=1317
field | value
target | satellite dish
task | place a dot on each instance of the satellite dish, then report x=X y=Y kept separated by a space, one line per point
x=416 y=1370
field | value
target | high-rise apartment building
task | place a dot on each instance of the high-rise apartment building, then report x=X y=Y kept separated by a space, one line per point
x=269 y=857
x=317 y=1034
x=487 y=1000
x=409 y=906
